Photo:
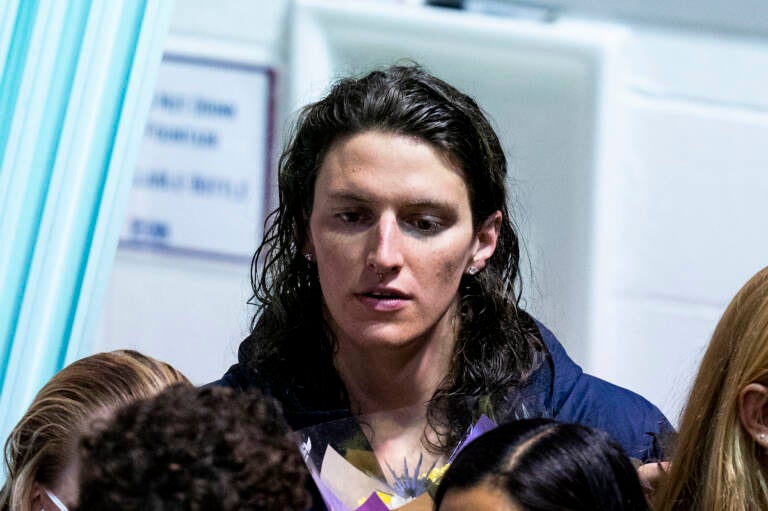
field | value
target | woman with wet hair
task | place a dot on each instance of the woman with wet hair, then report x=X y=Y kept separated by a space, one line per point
x=720 y=458
x=41 y=464
x=540 y=465
x=388 y=280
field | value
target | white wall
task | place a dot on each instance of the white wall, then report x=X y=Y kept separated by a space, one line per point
x=639 y=175
x=735 y=16
x=689 y=203
x=191 y=311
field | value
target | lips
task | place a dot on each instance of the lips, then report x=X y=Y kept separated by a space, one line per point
x=384 y=299
x=385 y=294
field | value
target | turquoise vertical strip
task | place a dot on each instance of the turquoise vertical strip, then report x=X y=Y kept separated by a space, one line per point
x=119 y=64
x=8 y=17
x=125 y=148
x=73 y=137
x=17 y=23
x=26 y=166
x=47 y=158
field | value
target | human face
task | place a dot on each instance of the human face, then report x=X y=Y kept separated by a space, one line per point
x=392 y=233
x=481 y=497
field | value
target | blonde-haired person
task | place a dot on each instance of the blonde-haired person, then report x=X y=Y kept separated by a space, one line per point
x=40 y=454
x=719 y=462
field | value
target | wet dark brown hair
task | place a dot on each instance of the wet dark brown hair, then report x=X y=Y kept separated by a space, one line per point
x=290 y=345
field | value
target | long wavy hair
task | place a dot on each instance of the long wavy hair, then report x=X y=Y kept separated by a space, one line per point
x=716 y=464
x=290 y=344
x=44 y=440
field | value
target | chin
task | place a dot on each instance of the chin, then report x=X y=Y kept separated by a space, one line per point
x=382 y=336
x=380 y=341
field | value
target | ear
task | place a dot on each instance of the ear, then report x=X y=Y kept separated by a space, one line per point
x=485 y=241
x=753 y=412
x=37 y=496
x=309 y=246
x=309 y=250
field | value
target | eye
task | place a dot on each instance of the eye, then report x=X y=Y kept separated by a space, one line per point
x=427 y=225
x=349 y=217
x=353 y=217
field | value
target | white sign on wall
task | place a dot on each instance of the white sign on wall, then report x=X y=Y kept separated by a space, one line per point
x=199 y=186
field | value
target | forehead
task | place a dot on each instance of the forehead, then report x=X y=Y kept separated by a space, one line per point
x=380 y=165
x=482 y=497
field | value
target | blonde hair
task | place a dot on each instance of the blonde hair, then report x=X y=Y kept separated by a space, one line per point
x=43 y=441
x=716 y=463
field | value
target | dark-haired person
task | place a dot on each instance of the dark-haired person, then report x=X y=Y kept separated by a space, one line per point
x=388 y=280
x=191 y=449
x=540 y=465
x=41 y=462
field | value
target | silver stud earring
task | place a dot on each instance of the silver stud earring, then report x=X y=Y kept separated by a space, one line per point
x=309 y=257
x=472 y=270
x=761 y=437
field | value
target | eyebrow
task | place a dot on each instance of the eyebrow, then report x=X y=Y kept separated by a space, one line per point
x=362 y=198
x=350 y=197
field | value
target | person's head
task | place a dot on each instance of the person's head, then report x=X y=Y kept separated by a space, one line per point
x=187 y=448
x=40 y=453
x=392 y=226
x=400 y=101
x=539 y=465
x=719 y=459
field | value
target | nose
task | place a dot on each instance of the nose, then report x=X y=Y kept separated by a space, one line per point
x=385 y=252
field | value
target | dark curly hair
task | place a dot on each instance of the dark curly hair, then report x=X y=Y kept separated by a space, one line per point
x=194 y=449
x=290 y=343
x=541 y=464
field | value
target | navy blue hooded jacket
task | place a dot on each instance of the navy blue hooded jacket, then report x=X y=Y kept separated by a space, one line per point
x=558 y=389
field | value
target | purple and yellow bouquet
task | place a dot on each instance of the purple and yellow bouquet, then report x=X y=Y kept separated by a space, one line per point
x=351 y=476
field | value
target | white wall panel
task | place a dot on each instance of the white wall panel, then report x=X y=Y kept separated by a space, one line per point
x=192 y=314
x=657 y=350
x=689 y=206
x=695 y=190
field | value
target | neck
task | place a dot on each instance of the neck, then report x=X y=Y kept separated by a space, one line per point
x=391 y=378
